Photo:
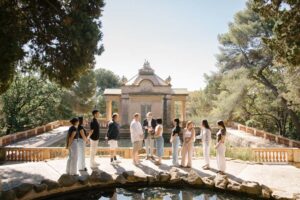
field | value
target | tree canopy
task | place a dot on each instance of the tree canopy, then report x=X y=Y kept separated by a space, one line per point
x=251 y=86
x=285 y=41
x=33 y=100
x=58 y=38
x=106 y=79
x=81 y=98
x=30 y=101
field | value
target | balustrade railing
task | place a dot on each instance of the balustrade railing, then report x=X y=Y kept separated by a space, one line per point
x=266 y=135
x=262 y=155
x=276 y=155
x=45 y=153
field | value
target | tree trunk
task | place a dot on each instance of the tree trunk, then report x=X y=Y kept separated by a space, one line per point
x=283 y=101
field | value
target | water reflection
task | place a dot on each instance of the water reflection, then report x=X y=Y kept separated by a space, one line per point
x=150 y=193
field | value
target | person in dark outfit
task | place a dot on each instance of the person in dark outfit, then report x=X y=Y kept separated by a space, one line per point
x=113 y=136
x=71 y=145
x=149 y=126
x=175 y=140
x=94 y=138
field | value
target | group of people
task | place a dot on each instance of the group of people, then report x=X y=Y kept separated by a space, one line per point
x=150 y=133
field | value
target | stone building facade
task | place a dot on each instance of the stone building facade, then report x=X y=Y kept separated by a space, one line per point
x=146 y=92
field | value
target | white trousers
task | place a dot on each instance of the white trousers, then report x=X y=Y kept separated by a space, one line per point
x=72 y=159
x=81 y=154
x=221 y=162
x=206 y=153
x=93 y=151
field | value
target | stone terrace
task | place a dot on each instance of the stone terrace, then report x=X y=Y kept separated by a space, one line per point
x=283 y=178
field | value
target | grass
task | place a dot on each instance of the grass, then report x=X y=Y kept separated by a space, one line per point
x=239 y=153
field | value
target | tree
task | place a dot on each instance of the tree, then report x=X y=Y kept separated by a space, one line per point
x=285 y=41
x=58 y=38
x=242 y=47
x=233 y=89
x=250 y=86
x=29 y=102
x=81 y=97
x=106 y=79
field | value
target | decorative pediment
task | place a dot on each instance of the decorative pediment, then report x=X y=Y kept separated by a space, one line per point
x=146 y=70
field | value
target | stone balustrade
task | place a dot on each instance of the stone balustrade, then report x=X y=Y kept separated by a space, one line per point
x=44 y=153
x=263 y=155
x=12 y=138
x=276 y=155
x=266 y=135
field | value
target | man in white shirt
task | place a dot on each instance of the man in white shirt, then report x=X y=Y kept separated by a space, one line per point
x=137 y=136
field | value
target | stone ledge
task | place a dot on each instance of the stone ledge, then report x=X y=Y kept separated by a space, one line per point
x=101 y=179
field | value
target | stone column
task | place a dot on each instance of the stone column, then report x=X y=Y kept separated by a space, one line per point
x=125 y=107
x=183 y=110
x=108 y=110
x=119 y=110
x=173 y=109
x=167 y=111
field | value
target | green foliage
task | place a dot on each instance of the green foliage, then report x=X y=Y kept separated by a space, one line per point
x=239 y=153
x=32 y=100
x=250 y=87
x=58 y=38
x=234 y=87
x=106 y=79
x=285 y=43
x=29 y=102
x=81 y=97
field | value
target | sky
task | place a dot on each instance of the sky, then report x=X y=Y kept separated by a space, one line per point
x=178 y=38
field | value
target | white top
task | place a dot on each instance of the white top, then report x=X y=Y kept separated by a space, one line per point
x=206 y=136
x=187 y=134
x=136 y=131
x=161 y=130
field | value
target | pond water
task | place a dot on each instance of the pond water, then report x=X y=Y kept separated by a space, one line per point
x=157 y=193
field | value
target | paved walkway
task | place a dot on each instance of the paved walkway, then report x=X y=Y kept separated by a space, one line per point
x=279 y=177
x=243 y=139
x=235 y=137
x=43 y=140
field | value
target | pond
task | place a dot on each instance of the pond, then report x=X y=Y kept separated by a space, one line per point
x=156 y=193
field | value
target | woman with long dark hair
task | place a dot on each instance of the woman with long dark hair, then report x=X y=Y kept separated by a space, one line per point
x=82 y=140
x=206 y=139
x=71 y=145
x=175 y=140
x=220 y=147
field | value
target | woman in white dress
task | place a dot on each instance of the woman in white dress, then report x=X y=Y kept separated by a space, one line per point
x=206 y=139
x=220 y=147
x=188 y=145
